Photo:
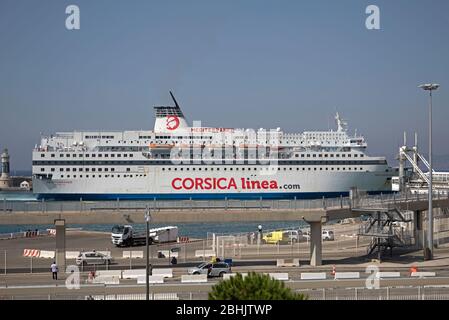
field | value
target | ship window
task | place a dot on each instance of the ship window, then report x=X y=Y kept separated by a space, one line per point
x=74 y=155
x=106 y=169
x=205 y=169
x=67 y=169
x=100 y=155
x=344 y=168
x=296 y=156
x=106 y=155
x=100 y=169
x=67 y=155
x=279 y=169
x=112 y=169
x=80 y=155
x=128 y=169
x=125 y=155
x=87 y=169
x=243 y=169
x=99 y=176
x=61 y=169
x=81 y=176
x=327 y=168
x=68 y=176
x=218 y=169
x=321 y=168
x=223 y=169
x=331 y=155
x=302 y=155
x=62 y=176
x=343 y=155
x=61 y=156
x=119 y=155
x=361 y=156
x=309 y=169
x=52 y=169
x=314 y=169
x=338 y=168
x=93 y=169
x=291 y=168
x=320 y=155
x=193 y=169
x=131 y=155
x=93 y=155
x=176 y=169
x=355 y=169
x=163 y=169
x=74 y=169
x=361 y=168
x=112 y=155
x=314 y=155
x=74 y=175
x=337 y=155
x=355 y=156
x=308 y=155
x=42 y=169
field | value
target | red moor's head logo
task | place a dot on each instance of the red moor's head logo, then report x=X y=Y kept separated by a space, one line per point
x=172 y=122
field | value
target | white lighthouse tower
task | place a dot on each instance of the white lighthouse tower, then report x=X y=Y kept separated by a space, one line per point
x=5 y=180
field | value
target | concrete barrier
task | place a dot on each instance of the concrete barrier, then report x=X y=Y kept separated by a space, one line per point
x=164 y=272
x=133 y=254
x=380 y=275
x=204 y=253
x=347 y=275
x=313 y=276
x=110 y=273
x=227 y=276
x=107 y=279
x=151 y=279
x=31 y=253
x=194 y=278
x=106 y=253
x=282 y=276
x=47 y=254
x=133 y=274
x=72 y=254
x=287 y=263
x=423 y=274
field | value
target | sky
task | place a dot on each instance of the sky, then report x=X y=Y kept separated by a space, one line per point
x=244 y=64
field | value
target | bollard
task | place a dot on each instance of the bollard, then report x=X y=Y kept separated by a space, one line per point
x=31 y=265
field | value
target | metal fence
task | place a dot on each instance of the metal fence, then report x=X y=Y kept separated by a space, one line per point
x=387 y=293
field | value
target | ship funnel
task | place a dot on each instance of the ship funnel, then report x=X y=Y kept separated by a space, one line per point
x=169 y=118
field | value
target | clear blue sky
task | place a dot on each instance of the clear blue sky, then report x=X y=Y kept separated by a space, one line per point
x=249 y=63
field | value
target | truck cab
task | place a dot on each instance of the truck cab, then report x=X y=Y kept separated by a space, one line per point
x=125 y=236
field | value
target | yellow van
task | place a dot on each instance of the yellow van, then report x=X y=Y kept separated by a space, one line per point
x=273 y=237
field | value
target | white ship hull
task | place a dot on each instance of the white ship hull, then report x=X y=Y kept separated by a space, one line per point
x=169 y=185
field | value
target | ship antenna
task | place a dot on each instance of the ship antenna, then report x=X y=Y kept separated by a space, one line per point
x=174 y=100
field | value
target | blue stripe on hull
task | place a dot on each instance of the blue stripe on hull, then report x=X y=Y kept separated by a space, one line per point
x=195 y=196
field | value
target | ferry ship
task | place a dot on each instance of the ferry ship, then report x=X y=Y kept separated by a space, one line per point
x=178 y=161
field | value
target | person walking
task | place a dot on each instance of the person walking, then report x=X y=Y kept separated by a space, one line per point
x=54 y=270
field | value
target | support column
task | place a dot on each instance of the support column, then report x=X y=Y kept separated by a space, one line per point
x=315 y=244
x=60 y=244
x=417 y=229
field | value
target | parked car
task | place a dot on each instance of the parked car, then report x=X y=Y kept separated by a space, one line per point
x=292 y=236
x=327 y=235
x=211 y=269
x=92 y=257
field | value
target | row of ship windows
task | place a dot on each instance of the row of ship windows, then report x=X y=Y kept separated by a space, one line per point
x=130 y=155
x=93 y=155
x=105 y=176
x=200 y=169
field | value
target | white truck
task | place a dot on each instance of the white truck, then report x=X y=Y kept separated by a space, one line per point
x=127 y=236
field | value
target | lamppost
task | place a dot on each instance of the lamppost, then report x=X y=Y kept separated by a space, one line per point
x=147 y=236
x=428 y=254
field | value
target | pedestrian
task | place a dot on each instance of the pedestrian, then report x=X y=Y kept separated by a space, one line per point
x=54 y=270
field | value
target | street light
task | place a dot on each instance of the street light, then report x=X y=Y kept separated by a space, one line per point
x=147 y=235
x=428 y=254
